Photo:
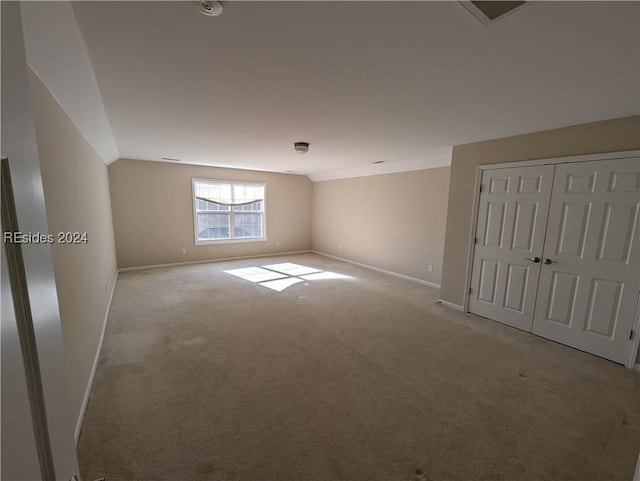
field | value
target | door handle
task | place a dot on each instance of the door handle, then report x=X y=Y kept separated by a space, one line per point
x=548 y=261
x=535 y=259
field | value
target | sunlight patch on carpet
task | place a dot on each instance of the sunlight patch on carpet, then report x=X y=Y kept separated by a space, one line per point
x=256 y=274
x=291 y=269
x=278 y=277
x=281 y=284
x=324 y=275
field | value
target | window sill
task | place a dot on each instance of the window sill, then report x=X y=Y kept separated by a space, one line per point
x=229 y=241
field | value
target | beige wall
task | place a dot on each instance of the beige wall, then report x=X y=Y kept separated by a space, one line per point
x=391 y=221
x=153 y=213
x=76 y=190
x=598 y=137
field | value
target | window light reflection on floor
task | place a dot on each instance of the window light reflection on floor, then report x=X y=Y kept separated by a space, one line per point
x=278 y=277
x=256 y=274
x=325 y=275
x=281 y=284
x=291 y=269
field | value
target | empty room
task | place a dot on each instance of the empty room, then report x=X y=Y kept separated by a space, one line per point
x=320 y=240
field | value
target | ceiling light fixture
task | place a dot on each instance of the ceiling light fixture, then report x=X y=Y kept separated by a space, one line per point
x=210 y=8
x=301 y=147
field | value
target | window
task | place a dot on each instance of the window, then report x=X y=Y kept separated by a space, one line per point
x=228 y=211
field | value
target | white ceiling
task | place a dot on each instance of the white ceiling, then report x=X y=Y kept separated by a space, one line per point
x=399 y=82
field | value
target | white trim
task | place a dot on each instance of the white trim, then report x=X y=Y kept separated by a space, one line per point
x=96 y=360
x=232 y=240
x=384 y=271
x=470 y=248
x=523 y=163
x=627 y=154
x=634 y=343
x=451 y=305
x=206 y=261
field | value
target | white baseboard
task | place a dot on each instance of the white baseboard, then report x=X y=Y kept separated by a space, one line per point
x=384 y=271
x=451 y=305
x=96 y=360
x=206 y=261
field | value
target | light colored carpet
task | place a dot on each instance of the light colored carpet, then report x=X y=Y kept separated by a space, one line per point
x=207 y=376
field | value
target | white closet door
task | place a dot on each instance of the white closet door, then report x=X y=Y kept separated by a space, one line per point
x=588 y=292
x=512 y=215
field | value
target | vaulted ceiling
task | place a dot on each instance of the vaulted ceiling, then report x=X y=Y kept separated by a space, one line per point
x=363 y=82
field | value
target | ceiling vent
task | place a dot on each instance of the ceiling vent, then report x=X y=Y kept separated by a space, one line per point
x=489 y=12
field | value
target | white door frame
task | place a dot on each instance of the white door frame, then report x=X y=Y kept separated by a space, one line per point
x=634 y=344
x=51 y=407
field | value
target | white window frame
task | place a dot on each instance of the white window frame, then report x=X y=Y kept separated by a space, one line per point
x=231 y=240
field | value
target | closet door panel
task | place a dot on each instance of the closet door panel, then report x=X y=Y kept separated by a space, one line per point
x=590 y=275
x=510 y=231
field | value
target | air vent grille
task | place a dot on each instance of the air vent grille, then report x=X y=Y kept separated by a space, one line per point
x=489 y=12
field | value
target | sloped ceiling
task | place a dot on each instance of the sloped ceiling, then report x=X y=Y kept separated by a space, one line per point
x=56 y=52
x=363 y=82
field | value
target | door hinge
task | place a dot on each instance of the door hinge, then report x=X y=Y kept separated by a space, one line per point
x=475 y=240
x=631 y=334
x=481 y=187
x=470 y=290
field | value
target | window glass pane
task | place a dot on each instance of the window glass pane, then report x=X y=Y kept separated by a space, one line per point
x=243 y=193
x=213 y=226
x=204 y=205
x=220 y=192
x=253 y=206
x=248 y=225
x=226 y=211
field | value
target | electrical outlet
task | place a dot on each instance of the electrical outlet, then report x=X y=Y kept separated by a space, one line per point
x=184 y=251
x=430 y=268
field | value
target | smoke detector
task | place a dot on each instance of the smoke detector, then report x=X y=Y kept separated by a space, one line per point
x=210 y=8
x=301 y=147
